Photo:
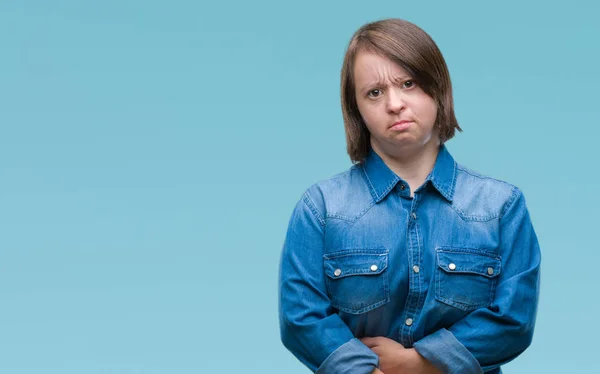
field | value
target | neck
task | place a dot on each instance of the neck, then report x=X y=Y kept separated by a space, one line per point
x=413 y=166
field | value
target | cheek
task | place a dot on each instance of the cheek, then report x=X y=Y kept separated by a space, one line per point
x=371 y=113
x=433 y=112
x=366 y=113
x=428 y=109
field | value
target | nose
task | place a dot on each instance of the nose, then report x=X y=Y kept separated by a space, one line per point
x=395 y=101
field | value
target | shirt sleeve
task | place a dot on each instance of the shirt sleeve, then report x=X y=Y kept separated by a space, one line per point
x=492 y=336
x=310 y=327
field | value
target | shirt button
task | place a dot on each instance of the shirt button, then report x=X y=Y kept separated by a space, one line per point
x=414 y=215
x=402 y=187
x=374 y=268
x=416 y=269
x=490 y=271
x=408 y=321
x=337 y=272
x=452 y=266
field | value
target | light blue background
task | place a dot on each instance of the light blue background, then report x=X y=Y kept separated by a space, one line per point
x=151 y=154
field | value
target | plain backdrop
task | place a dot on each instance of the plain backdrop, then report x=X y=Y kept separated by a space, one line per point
x=151 y=154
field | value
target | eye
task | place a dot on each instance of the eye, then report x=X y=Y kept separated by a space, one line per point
x=374 y=93
x=410 y=84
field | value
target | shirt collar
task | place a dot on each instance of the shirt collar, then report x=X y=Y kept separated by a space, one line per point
x=381 y=179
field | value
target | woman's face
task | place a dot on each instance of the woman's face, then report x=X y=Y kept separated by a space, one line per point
x=386 y=95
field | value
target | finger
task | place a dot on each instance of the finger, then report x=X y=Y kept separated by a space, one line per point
x=370 y=341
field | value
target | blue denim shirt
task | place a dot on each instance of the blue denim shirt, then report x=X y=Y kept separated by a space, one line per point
x=452 y=272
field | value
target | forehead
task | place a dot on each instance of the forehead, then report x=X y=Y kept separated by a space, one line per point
x=371 y=68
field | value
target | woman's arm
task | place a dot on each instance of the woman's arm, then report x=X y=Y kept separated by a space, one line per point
x=492 y=336
x=395 y=359
x=309 y=326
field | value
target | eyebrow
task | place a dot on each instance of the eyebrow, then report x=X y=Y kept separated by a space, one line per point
x=396 y=79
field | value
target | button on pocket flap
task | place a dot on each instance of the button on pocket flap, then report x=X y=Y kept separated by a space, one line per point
x=353 y=262
x=482 y=263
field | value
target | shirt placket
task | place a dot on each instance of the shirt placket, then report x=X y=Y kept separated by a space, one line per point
x=416 y=289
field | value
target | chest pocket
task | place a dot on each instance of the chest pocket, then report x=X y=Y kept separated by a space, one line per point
x=466 y=278
x=357 y=279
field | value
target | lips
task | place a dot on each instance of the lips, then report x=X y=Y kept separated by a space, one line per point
x=401 y=125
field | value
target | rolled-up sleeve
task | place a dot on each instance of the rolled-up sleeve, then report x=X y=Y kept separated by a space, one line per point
x=492 y=336
x=310 y=327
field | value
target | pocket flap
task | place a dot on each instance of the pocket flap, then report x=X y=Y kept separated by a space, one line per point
x=355 y=262
x=474 y=262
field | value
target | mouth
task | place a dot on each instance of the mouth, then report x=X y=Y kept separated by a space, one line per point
x=401 y=125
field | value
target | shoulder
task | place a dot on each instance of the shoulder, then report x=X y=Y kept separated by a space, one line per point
x=343 y=195
x=482 y=197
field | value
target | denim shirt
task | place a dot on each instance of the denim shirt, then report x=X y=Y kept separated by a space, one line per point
x=452 y=272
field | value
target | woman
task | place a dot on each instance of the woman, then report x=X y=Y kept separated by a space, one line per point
x=407 y=262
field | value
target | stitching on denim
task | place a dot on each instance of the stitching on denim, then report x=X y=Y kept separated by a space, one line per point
x=385 y=191
x=492 y=290
x=366 y=308
x=414 y=279
x=384 y=280
x=349 y=272
x=421 y=248
x=389 y=186
x=402 y=329
x=356 y=217
x=370 y=184
x=476 y=174
x=327 y=284
x=447 y=192
x=339 y=216
x=481 y=176
x=485 y=177
x=406 y=329
x=453 y=185
x=308 y=201
x=437 y=270
x=417 y=279
x=362 y=251
x=482 y=251
x=458 y=304
x=462 y=214
x=465 y=217
x=510 y=201
x=365 y=210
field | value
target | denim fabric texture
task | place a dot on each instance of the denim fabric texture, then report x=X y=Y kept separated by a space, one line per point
x=452 y=271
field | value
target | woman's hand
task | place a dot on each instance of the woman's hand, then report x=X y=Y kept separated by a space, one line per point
x=395 y=359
